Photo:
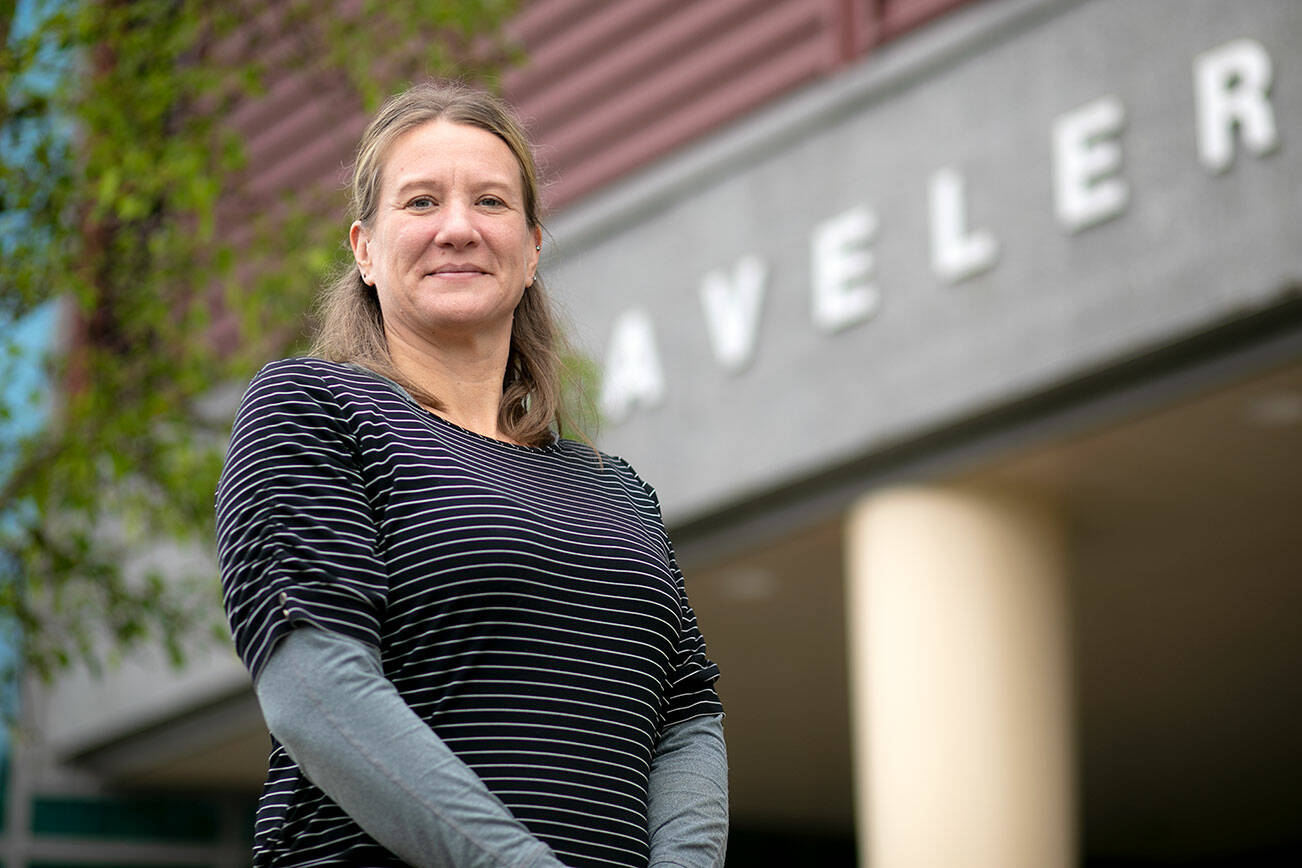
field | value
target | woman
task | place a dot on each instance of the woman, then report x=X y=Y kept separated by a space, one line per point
x=469 y=637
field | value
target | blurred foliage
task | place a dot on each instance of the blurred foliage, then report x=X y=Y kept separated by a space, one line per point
x=579 y=416
x=123 y=194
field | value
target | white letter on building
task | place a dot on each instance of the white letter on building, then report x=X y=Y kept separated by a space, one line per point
x=632 y=376
x=732 y=305
x=1232 y=86
x=841 y=294
x=1086 y=157
x=955 y=252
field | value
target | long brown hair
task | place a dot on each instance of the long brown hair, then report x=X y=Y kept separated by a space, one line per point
x=351 y=325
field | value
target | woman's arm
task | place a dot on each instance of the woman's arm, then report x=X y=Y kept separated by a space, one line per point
x=325 y=698
x=688 y=800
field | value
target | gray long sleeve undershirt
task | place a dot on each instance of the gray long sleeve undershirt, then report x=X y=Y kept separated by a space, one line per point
x=325 y=698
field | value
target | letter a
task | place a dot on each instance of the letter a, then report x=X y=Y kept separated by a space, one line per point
x=632 y=376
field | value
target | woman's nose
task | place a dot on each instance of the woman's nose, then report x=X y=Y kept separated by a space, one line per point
x=457 y=226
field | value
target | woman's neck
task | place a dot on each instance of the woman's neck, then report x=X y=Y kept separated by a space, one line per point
x=465 y=376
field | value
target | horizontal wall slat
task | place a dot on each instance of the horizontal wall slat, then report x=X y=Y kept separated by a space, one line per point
x=607 y=85
x=292 y=138
x=540 y=20
x=611 y=28
x=606 y=76
x=725 y=62
x=782 y=72
x=321 y=163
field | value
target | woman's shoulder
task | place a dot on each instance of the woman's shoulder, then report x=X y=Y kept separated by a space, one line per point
x=307 y=370
x=319 y=378
x=620 y=468
x=312 y=387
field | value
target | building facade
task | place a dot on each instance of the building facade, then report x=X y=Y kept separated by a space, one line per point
x=963 y=343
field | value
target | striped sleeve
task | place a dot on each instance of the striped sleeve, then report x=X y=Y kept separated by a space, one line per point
x=691 y=690
x=296 y=538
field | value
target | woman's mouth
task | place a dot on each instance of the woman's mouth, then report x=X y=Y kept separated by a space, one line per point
x=457 y=270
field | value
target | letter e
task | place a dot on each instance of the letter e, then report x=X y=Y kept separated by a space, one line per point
x=841 y=293
x=1087 y=157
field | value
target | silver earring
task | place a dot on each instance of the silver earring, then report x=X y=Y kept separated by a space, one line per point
x=538 y=247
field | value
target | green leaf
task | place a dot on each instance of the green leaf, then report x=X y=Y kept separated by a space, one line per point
x=123 y=169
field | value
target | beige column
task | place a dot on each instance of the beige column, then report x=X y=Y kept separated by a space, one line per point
x=960 y=680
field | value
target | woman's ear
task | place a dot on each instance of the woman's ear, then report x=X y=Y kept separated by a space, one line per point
x=535 y=253
x=359 y=239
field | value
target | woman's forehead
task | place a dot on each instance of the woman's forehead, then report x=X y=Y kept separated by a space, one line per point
x=443 y=151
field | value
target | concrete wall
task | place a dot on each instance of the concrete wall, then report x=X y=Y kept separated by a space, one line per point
x=987 y=208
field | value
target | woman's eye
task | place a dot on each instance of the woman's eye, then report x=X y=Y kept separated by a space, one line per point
x=492 y=202
x=421 y=202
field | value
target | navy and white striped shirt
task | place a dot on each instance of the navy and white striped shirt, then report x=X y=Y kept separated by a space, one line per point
x=525 y=601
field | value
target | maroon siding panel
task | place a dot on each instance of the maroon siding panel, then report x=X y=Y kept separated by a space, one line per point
x=862 y=24
x=607 y=76
x=608 y=86
x=690 y=122
x=662 y=88
x=303 y=151
x=626 y=82
x=299 y=133
x=542 y=21
x=308 y=141
x=611 y=85
x=576 y=34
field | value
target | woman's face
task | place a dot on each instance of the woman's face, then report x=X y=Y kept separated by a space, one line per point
x=449 y=250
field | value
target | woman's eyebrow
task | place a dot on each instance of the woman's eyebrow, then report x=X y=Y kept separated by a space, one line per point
x=496 y=183
x=414 y=184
